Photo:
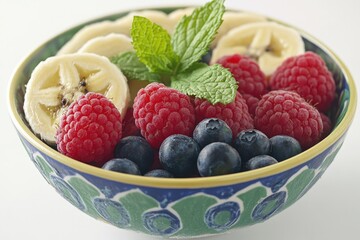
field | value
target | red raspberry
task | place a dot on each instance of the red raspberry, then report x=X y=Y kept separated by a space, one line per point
x=128 y=124
x=307 y=75
x=90 y=129
x=247 y=73
x=160 y=111
x=283 y=112
x=327 y=125
x=235 y=114
x=251 y=102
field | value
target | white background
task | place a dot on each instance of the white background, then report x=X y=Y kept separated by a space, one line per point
x=31 y=209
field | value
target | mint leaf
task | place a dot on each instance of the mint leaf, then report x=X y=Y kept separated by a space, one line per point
x=153 y=45
x=132 y=68
x=214 y=83
x=194 y=33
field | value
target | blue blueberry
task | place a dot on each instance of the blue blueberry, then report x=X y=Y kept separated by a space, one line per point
x=218 y=159
x=283 y=147
x=212 y=130
x=259 y=162
x=250 y=143
x=159 y=173
x=122 y=165
x=136 y=149
x=178 y=154
x=206 y=58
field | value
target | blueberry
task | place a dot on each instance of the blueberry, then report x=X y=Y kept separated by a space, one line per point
x=136 y=149
x=178 y=154
x=122 y=165
x=218 y=159
x=250 y=143
x=212 y=130
x=159 y=173
x=283 y=147
x=206 y=58
x=259 y=162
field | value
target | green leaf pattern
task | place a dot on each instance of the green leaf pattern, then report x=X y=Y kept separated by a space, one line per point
x=199 y=214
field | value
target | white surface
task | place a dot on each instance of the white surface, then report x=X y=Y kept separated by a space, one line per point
x=31 y=209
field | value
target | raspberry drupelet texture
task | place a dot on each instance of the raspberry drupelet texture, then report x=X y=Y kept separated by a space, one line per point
x=251 y=80
x=90 y=129
x=327 y=125
x=307 y=75
x=128 y=124
x=283 y=112
x=251 y=102
x=160 y=111
x=235 y=114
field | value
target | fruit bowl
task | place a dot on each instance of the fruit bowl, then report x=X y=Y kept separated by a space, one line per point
x=187 y=207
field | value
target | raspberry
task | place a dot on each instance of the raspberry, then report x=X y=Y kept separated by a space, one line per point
x=160 y=111
x=235 y=114
x=129 y=128
x=247 y=73
x=90 y=129
x=327 y=125
x=307 y=75
x=251 y=102
x=283 y=112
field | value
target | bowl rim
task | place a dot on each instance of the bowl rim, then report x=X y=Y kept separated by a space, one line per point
x=194 y=182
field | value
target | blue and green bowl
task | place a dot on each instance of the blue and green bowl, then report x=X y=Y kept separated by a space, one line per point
x=191 y=207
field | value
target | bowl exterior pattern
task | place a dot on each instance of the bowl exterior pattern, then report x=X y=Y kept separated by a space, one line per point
x=181 y=212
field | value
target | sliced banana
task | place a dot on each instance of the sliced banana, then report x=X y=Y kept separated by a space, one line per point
x=58 y=81
x=157 y=17
x=122 y=25
x=109 y=45
x=236 y=19
x=89 y=32
x=268 y=43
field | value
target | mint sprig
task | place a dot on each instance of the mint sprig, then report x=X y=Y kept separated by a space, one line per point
x=214 y=83
x=153 y=45
x=159 y=56
x=133 y=69
x=194 y=33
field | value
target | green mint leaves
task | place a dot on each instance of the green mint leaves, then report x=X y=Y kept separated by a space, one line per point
x=160 y=56
x=153 y=45
x=194 y=33
x=133 y=69
x=214 y=83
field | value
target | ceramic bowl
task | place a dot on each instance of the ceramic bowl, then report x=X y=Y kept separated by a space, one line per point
x=191 y=207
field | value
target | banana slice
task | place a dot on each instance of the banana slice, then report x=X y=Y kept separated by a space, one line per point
x=235 y=19
x=89 y=32
x=268 y=43
x=157 y=17
x=108 y=46
x=111 y=45
x=122 y=25
x=58 y=81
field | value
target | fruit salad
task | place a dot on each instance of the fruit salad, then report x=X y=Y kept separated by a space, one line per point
x=197 y=92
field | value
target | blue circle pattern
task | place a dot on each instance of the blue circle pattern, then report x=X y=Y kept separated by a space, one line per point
x=102 y=206
x=231 y=207
x=67 y=192
x=261 y=211
x=150 y=219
